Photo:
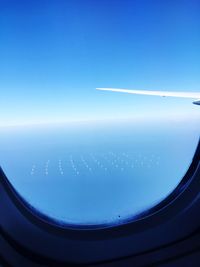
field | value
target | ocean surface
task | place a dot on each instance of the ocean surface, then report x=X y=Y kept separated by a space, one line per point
x=86 y=173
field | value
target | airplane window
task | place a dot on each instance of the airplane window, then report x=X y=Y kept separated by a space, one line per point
x=89 y=157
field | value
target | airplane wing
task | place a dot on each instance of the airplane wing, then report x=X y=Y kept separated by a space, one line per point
x=194 y=95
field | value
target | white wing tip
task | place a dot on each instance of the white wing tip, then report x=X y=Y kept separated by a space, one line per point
x=109 y=89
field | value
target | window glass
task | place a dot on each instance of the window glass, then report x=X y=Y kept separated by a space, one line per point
x=83 y=156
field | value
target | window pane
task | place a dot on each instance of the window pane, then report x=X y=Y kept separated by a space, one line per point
x=91 y=157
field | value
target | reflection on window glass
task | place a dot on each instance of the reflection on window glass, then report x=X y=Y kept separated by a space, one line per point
x=84 y=156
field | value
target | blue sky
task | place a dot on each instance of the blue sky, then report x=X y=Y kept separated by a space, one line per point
x=53 y=54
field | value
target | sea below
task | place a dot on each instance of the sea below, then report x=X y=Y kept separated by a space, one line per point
x=100 y=172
